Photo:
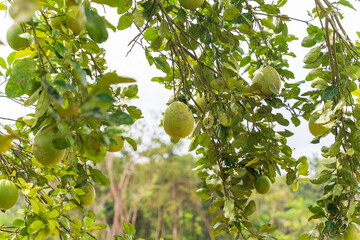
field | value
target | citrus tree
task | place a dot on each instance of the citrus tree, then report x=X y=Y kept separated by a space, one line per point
x=226 y=62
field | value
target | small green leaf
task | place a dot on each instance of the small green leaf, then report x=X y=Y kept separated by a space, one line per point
x=330 y=92
x=125 y=21
x=99 y=177
x=163 y=29
x=21 y=78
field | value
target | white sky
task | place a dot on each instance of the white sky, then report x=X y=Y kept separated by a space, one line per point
x=153 y=96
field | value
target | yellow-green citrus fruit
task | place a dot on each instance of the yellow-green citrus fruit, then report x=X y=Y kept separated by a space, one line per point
x=263 y=184
x=96 y=26
x=89 y=194
x=56 y=20
x=76 y=20
x=191 y=4
x=265 y=77
x=8 y=194
x=178 y=120
x=120 y=144
x=44 y=150
x=14 y=40
x=315 y=128
x=352 y=232
x=200 y=100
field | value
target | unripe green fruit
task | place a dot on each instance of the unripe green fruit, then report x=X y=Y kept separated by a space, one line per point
x=8 y=194
x=265 y=77
x=178 y=120
x=120 y=144
x=263 y=184
x=315 y=128
x=14 y=40
x=76 y=20
x=352 y=232
x=191 y=4
x=89 y=194
x=44 y=150
x=56 y=20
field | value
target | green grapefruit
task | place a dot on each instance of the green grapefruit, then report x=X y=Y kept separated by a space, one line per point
x=316 y=128
x=44 y=150
x=14 y=40
x=76 y=20
x=265 y=78
x=119 y=144
x=8 y=194
x=56 y=20
x=191 y=4
x=89 y=194
x=352 y=232
x=263 y=184
x=178 y=120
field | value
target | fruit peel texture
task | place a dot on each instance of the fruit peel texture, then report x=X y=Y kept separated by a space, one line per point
x=44 y=150
x=178 y=120
x=265 y=78
x=8 y=194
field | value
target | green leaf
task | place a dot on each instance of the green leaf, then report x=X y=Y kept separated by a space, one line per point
x=324 y=176
x=88 y=222
x=231 y=12
x=229 y=209
x=2 y=63
x=35 y=226
x=21 y=78
x=309 y=41
x=113 y=78
x=119 y=117
x=249 y=209
x=42 y=104
x=163 y=29
x=346 y=3
x=312 y=55
x=99 y=226
x=330 y=92
x=92 y=47
x=132 y=142
x=123 y=6
x=162 y=64
x=99 y=177
x=139 y=18
x=125 y=21
x=216 y=232
x=214 y=182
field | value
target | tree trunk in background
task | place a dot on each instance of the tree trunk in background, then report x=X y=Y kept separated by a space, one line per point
x=158 y=224
x=175 y=213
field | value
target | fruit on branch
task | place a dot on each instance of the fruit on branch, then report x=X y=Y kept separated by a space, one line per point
x=191 y=4
x=43 y=148
x=267 y=81
x=56 y=20
x=8 y=194
x=119 y=144
x=352 y=232
x=263 y=184
x=89 y=194
x=316 y=128
x=14 y=40
x=96 y=26
x=178 y=120
x=76 y=20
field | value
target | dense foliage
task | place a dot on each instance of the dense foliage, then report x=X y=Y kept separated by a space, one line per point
x=209 y=52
